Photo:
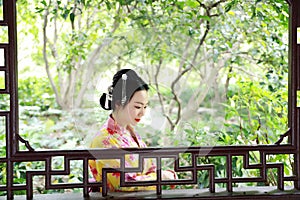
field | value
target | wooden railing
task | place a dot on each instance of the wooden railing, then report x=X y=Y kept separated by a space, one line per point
x=158 y=154
x=13 y=155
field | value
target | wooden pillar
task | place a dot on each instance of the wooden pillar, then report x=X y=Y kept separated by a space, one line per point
x=9 y=16
x=294 y=82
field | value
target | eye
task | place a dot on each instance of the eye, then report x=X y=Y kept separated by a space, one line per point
x=137 y=107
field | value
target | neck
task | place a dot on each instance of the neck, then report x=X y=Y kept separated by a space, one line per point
x=118 y=120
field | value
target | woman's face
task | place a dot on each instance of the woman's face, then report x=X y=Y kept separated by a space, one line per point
x=135 y=109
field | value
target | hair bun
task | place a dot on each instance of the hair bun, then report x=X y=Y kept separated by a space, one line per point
x=105 y=102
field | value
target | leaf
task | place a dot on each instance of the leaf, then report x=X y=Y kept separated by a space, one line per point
x=229 y=6
x=204 y=17
x=192 y=4
x=72 y=17
x=253 y=9
x=108 y=5
x=39 y=10
x=65 y=13
x=231 y=13
x=44 y=3
x=180 y=5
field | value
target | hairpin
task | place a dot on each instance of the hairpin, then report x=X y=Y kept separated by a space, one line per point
x=124 y=78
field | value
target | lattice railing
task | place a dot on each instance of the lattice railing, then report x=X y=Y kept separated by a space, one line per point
x=158 y=154
x=9 y=119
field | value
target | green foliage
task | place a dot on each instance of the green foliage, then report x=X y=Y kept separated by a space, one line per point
x=37 y=92
x=2 y=155
x=42 y=124
x=256 y=113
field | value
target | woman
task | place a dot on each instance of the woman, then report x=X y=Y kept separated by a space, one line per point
x=128 y=99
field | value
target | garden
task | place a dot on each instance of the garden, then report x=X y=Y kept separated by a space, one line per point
x=218 y=75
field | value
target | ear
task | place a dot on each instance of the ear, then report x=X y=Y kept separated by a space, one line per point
x=117 y=105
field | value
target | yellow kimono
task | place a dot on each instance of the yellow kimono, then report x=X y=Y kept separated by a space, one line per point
x=112 y=135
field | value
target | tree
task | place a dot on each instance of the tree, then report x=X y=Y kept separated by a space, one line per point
x=192 y=52
x=74 y=34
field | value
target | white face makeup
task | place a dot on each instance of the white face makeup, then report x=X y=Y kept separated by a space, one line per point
x=132 y=113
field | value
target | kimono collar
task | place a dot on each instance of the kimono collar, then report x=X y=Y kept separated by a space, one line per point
x=113 y=125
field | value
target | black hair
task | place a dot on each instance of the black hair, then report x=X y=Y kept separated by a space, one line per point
x=134 y=83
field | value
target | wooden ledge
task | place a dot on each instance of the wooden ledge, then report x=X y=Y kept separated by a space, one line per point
x=260 y=193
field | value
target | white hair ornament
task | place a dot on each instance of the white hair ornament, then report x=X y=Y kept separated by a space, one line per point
x=124 y=97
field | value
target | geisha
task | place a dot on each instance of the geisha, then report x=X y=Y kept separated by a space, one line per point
x=127 y=97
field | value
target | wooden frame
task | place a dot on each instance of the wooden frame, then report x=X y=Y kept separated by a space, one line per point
x=13 y=138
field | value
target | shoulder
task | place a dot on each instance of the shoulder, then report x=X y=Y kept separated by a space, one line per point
x=103 y=139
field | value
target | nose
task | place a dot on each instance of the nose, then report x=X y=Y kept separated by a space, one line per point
x=142 y=112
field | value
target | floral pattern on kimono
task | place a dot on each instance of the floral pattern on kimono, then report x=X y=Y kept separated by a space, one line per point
x=112 y=135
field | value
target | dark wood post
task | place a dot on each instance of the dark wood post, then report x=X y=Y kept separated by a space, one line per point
x=9 y=8
x=294 y=82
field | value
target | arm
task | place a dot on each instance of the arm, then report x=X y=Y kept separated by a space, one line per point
x=104 y=140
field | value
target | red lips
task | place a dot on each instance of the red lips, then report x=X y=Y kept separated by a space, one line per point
x=137 y=120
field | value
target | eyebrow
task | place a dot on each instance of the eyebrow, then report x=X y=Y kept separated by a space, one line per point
x=141 y=103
